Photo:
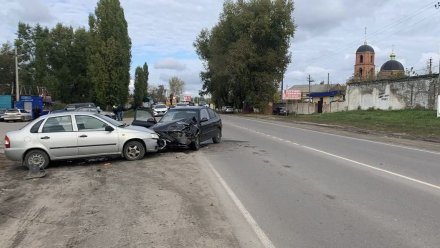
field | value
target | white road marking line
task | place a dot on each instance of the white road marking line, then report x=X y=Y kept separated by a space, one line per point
x=342 y=136
x=374 y=168
x=254 y=225
x=359 y=163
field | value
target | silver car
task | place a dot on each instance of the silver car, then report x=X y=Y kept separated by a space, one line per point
x=160 y=110
x=71 y=135
x=96 y=110
x=17 y=115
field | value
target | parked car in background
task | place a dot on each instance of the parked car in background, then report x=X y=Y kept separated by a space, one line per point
x=228 y=109
x=143 y=117
x=73 y=106
x=182 y=104
x=17 y=115
x=203 y=103
x=159 y=110
x=2 y=113
x=96 y=110
x=187 y=127
x=71 y=135
x=280 y=111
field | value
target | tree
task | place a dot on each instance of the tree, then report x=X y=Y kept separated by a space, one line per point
x=26 y=49
x=246 y=54
x=176 y=86
x=82 y=91
x=55 y=59
x=7 y=68
x=110 y=55
x=140 y=84
x=60 y=78
x=158 y=93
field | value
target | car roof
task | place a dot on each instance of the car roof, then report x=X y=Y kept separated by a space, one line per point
x=190 y=107
x=69 y=113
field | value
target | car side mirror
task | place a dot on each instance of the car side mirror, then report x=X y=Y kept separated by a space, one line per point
x=109 y=128
x=204 y=119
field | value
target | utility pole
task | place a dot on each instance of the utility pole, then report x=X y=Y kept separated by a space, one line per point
x=328 y=81
x=310 y=80
x=430 y=66
x=17 y=89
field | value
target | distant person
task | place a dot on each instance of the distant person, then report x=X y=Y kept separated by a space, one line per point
x=115 y=108
x=119 y=112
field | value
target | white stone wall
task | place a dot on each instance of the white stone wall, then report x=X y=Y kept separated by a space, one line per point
x=394 y=94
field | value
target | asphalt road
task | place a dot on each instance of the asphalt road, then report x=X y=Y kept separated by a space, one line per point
x=312 y=189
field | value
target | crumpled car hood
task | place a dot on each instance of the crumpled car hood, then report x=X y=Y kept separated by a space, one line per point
x=178 y=133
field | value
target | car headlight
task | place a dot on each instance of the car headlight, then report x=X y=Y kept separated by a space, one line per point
x=154 y=136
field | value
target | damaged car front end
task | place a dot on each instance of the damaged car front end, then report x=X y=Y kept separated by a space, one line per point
x=183 y=133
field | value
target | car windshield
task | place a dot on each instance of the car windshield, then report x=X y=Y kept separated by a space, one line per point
x=160 y=106
x=178 y=114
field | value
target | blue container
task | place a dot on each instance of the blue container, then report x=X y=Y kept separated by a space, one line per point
x=5 y=101
x=32 y=104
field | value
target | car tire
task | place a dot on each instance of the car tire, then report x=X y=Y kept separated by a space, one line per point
x=133 y=150
x=36 y=157
x=218 y=137
x=195 y=145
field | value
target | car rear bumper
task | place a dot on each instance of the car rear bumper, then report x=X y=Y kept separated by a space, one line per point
x=13 y=118
x=14 y=154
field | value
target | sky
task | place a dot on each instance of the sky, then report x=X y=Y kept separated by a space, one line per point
x=327 y=35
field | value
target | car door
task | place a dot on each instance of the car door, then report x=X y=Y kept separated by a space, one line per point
x=215 y=122
x=206 y=126
x=58 y=137
x=92 y=137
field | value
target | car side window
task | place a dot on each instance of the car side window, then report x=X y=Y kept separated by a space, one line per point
x=212 y=113
x=89 y=123
x=204 y=114
x=36 y=126
x=58 y=124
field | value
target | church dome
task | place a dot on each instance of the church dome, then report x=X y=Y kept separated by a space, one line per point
x=392 y=65
x=365 y=48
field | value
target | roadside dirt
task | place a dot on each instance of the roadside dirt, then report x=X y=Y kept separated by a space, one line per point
x=113 y=203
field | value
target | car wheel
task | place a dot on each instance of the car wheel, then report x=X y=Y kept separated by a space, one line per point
x=195 y=145
x=218 y=137
x=134 y=150
x=36 y=158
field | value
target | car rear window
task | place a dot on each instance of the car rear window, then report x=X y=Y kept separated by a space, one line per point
x=12 y=111
x=160 y=106
x=36 y=126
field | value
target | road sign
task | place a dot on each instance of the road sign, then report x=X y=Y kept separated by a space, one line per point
x=291 y=95
x=187 y=98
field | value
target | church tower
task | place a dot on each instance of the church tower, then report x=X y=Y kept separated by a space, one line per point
x=364 y=67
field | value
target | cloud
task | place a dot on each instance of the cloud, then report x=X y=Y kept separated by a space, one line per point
x=33 y=11
x=170 y=64
x=328 y=34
